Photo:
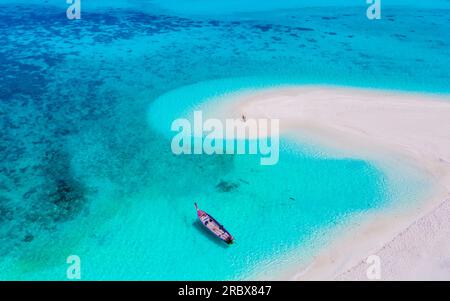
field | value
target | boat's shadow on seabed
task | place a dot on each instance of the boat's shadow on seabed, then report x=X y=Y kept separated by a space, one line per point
x=201 y=229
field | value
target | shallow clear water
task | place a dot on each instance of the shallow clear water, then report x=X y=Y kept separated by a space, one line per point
x=85 y=170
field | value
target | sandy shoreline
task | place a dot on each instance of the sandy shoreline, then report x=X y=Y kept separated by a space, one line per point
x=385 y=128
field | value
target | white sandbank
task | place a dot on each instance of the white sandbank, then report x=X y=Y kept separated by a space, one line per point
x=384 y=127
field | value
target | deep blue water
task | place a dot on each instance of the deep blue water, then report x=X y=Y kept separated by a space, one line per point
x=82 y=171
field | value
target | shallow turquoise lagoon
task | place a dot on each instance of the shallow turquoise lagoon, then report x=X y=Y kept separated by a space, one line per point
x=85 y=160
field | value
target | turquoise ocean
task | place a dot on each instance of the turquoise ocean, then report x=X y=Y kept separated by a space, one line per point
x=86 y=167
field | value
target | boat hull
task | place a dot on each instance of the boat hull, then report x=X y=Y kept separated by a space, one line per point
x=214 y=226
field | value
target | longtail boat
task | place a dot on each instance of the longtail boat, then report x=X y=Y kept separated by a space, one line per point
x=217 y=229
